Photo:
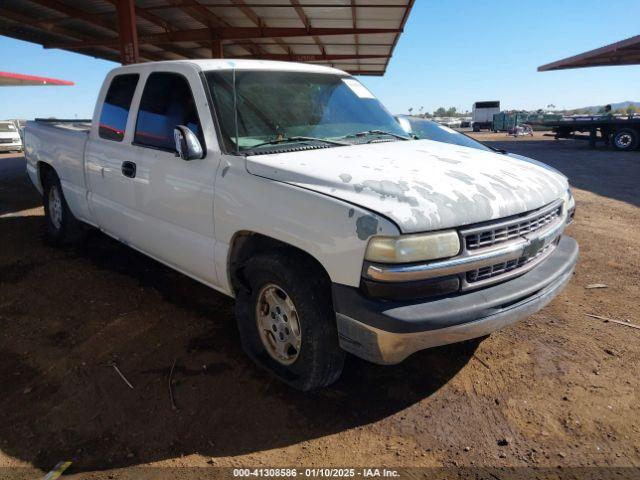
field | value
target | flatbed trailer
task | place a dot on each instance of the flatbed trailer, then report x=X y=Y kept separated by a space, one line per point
x=623 y=133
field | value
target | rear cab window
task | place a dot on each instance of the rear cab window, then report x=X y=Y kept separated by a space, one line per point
x=167 y=101
x=115 y=109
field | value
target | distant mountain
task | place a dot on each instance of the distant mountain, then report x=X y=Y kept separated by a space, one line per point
x=614 y=107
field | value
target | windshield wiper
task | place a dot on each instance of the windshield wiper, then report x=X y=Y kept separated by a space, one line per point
x=376 y=132
x=300 y=139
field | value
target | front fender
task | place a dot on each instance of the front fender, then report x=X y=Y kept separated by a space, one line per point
x=332 y=231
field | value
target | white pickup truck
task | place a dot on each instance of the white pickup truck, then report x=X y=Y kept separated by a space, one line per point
x=291 y=188
x=9 y=137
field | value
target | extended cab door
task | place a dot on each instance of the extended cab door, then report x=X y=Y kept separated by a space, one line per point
x=174 y=198
x=109 y=155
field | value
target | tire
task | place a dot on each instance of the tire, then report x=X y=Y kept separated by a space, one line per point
x=276 y=279
x=625 y=139
x=61 y=228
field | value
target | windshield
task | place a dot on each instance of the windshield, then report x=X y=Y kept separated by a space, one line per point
x=296 y=106
x=7 y=127
x=428 y=130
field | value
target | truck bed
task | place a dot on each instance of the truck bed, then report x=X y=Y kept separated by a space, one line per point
x=60 y=143
x=67 y=124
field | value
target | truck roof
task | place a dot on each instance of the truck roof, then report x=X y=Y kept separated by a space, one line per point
x=239 y=64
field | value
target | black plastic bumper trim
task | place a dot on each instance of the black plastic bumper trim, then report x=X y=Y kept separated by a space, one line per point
x=417 y=316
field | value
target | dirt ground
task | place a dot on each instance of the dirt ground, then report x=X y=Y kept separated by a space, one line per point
x=559 y=389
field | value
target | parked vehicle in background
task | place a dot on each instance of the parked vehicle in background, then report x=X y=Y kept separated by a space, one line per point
x=521 y=130
x=20 y=124
x=291 y=188
x=622 y=132
x=422 y=128
x=465 y=122
x=482 y=115
x=451 y=122
x=10 y=140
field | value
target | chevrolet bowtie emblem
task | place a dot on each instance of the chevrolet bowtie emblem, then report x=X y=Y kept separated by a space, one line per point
x=532 y=248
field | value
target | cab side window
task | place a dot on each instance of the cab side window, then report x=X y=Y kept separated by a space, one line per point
x=115 y=109
x=166 y=102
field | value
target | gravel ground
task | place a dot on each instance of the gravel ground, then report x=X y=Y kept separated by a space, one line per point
x=556 y=390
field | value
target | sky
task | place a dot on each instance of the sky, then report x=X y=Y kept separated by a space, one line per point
x=451 y=54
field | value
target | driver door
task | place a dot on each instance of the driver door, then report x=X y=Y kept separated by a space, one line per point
x=174 y=197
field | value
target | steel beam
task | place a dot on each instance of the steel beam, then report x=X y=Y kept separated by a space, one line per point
x=79 y=39
x=76 y=13
x=156 y=20
x=257 y=21
x=270 y=5
x=307 y=23
x=310 y=57
x=226 y=33
x=216 y=49
x=127 y=32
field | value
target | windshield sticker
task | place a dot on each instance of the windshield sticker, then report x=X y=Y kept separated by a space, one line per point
x=357 y=88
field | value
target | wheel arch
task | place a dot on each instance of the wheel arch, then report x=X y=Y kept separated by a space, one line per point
x=43 y=169
x=246 y=244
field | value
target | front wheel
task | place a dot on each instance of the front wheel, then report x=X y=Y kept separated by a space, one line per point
x=625 y=139
x=286 y=320
x=60 y=226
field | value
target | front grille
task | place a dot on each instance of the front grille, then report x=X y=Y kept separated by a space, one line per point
x=507 y=230
x=498 y=269
x=7 y=140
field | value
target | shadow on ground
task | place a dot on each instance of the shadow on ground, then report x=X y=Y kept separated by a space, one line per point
x=66 y=314
x=16 y=191
x=602 y=171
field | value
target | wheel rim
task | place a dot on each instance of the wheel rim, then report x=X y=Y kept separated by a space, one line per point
x=278 y=324
x=624 y=140
x=55 y=207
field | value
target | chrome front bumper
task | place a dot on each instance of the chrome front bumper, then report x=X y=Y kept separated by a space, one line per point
x=535 y=247
x=387 y=332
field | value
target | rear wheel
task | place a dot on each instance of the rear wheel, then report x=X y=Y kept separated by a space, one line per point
x=625 y=139
x=61 y=227
x=286 y=320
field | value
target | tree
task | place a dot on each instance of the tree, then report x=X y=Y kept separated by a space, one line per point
x=440 y=112
x=631 y=109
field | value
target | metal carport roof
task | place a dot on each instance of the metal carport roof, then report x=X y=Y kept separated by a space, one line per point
x=358 y=36
x=625 y=52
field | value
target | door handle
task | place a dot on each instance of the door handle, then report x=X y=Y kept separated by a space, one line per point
x=129 y=169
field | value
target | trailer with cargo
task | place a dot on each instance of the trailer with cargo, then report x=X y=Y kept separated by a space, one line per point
x=623 y=133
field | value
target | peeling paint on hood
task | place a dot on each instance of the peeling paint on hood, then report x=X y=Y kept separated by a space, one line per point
x=421 y=185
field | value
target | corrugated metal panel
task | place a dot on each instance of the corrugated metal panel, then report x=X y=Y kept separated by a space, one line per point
x=96 y=23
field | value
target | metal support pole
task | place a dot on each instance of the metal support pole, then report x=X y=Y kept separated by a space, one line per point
x=216 y=49
x=127 y=31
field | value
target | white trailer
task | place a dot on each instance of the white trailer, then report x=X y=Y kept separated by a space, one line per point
x=482 y=115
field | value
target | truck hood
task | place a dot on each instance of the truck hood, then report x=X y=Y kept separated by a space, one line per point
x=421 y=185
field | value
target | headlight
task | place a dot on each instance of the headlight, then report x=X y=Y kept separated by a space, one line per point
x=569 y=205
x=413 y=248
x=569 y=202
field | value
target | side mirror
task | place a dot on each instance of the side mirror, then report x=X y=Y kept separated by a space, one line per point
x=188 y=146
